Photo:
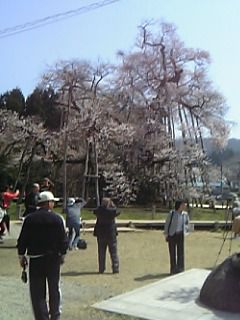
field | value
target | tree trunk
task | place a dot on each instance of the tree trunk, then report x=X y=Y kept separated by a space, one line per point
x=85 y=172
x=65 y=149
x=96 y=173
x=29 y=164
x=65 y=169
x=21 y=164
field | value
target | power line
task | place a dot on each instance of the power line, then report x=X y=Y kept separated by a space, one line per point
x=27 y=26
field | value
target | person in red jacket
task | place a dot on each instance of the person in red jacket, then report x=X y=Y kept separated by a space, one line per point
x=7 y=196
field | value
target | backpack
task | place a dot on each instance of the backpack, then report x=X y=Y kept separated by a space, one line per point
x=82 y=244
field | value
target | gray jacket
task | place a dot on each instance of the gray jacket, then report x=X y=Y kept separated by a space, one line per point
x=172 y=222
x=73 y=214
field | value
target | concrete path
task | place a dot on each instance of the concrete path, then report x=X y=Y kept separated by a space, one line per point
x=175 y=297
x=135 y=225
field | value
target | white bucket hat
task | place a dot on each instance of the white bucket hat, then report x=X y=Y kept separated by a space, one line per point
x=70 y=201
x=46 y=196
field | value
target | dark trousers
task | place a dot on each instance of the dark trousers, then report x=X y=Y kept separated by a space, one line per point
x=5 y=224
x=45 y=271
x=111 y=244
x=176 y=252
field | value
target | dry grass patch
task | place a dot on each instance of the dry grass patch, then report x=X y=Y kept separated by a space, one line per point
x=143 y=259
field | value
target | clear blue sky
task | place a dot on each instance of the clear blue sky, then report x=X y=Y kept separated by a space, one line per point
x=213 y=25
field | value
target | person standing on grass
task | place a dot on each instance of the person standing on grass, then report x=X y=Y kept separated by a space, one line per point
x=176 y=225
x=106 y=232
x=2 y=223
x=47 y=185
x=7 y=196
x=73 y=221
x=43 y=239
x=31 y=200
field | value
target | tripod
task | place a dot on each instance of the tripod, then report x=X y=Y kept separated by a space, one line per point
x=225 y=235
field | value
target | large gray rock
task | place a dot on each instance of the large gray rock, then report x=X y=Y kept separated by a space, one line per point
x=221 y=289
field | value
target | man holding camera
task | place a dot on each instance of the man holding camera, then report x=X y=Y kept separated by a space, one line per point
x=43 y=238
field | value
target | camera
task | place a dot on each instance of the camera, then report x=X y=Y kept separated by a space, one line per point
x=24 y=276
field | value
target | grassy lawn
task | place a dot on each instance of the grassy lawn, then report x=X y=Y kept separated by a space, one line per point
x=143 y=259
x=143 y=213
x=160 y=214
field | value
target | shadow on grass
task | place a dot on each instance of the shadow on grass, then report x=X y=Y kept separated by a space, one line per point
x=76 y=274
x=152 y=276
x=8 y=246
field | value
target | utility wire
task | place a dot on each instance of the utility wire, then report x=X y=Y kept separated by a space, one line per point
x=8 y=32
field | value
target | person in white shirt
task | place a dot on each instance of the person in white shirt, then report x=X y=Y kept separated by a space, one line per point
x=176 y=225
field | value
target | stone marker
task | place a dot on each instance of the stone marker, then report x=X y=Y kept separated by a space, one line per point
x=221 y=289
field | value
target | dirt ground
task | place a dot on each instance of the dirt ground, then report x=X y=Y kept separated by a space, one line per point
x=143 y=259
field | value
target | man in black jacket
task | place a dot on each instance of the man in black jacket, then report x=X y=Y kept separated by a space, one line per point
x=106 y=232
x=43 y=239
x=31 y=200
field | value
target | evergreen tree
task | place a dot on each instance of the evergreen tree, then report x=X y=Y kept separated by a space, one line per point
x=13 y=100
x=43 y=103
